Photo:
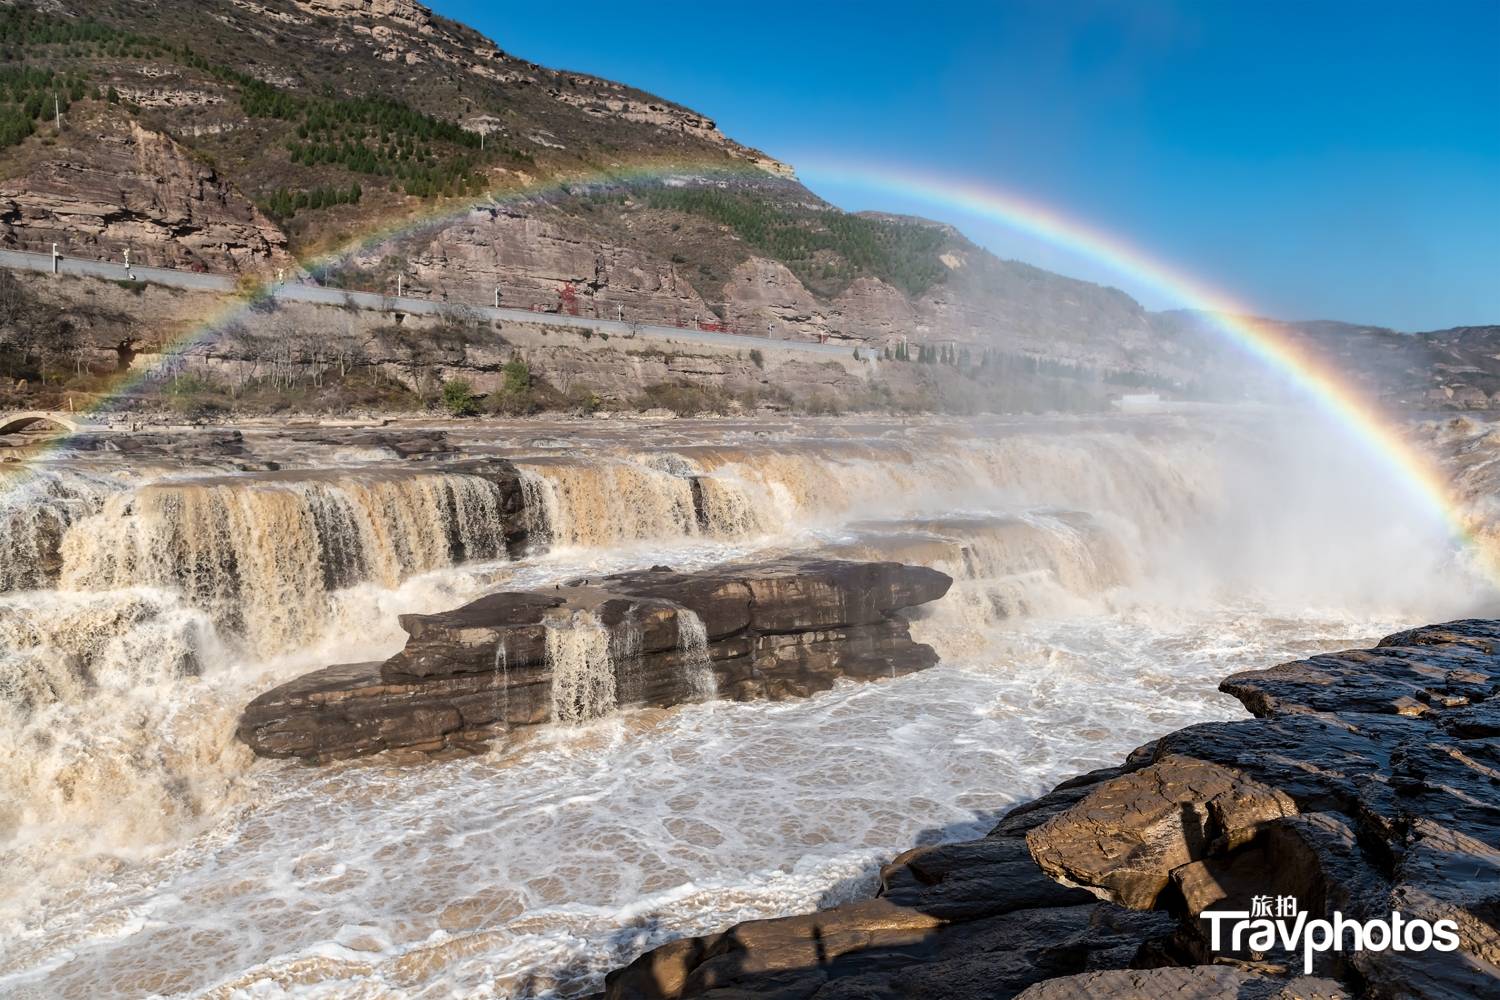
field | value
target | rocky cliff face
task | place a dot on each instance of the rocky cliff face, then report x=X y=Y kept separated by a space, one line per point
x=269 y=93
x=1363 y=786
x=659 y=637
x=531 y=254
x=119 y=186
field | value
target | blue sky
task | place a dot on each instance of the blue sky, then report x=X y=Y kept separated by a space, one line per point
x=1315 y=160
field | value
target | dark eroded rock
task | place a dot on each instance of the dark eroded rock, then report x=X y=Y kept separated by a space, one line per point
x=776 y=630
x=1370 y=782
x=1202 y=982
x=1128 y=834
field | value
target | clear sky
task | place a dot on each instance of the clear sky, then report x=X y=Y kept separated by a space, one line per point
x=1316 y=159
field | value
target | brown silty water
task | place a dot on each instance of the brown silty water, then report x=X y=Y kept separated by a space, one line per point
x=1108 y=571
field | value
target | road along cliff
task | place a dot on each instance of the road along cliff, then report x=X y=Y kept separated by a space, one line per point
x=1359 y=803
x=656 y=637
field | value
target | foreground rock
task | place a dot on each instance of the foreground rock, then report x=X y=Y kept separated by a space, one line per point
x=1366 y=784
x=778 y=630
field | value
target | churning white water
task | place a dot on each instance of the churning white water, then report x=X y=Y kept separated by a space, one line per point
x=1108 y=574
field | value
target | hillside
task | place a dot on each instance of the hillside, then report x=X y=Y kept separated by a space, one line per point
x=246 y=136
x=1454 y=369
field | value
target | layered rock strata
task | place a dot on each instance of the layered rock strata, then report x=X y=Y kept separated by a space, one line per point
x=658 y=637
x=1364 y=785
x=122 y=186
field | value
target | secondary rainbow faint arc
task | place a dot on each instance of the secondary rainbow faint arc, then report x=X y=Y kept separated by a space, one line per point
x=1320 y=382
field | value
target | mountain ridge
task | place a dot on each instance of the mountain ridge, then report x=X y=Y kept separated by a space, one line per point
x=336 y=117
x=249 y=136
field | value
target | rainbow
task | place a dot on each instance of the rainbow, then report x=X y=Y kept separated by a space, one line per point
x=1322 y=384
x=518 y=188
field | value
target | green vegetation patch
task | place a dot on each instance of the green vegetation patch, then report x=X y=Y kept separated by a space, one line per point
x=284 y=203
x=29 y=94
x=825 y=249
x=423 y=156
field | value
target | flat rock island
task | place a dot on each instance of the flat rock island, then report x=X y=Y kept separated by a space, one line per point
x=776 y=630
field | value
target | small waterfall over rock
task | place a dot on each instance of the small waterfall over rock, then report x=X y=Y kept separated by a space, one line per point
x=542 y=507
x=692 y=644
x=502 y=680
x=1038 y=563
x=625 y=640
x=583 y=671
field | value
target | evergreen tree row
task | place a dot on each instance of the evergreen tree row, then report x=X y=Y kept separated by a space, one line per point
x=285 y=203
x=901 y=253
x=29 y=93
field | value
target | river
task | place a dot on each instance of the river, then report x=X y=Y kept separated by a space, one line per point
x=1109 y=571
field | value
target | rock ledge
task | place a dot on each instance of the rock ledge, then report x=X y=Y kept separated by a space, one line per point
x=1365 y=784
x=657 y=637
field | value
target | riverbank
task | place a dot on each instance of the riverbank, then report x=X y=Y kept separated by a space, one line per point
x=1363 y=786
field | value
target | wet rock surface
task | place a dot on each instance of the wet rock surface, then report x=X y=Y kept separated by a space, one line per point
x=1365 y=784
x=776 y=630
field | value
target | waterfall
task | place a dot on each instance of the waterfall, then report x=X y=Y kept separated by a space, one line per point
x=543 y=512
x=583 y=674
x=501 y=669
x=1038 y=563
x=692 y=644
x=605 y=500
x=101 y=736
x=625 y=654
x=36 y=510
x=178 y=599
x=262 y=556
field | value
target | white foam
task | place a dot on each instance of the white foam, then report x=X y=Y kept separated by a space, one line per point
x=144 y=853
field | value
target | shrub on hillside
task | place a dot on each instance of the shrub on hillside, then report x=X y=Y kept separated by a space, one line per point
x=681 y=398
x=521 y=393
x=459 y=398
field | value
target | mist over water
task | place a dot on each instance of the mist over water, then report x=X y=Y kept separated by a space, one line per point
x=1109 y=572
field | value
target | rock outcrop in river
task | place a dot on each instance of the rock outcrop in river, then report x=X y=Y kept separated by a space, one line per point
x=1365 y=785
x=655 y=637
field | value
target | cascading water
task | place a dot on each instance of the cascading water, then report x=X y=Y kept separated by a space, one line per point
x=502 y=677
x=36 y=510
x=263 y=556
x=748 y=490
x=583 y=672
x=605 y=500
x=511 y=872
x=692 y=644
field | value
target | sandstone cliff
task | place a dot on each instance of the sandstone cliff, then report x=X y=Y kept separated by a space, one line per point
x=118 y=186
x=228 y=134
